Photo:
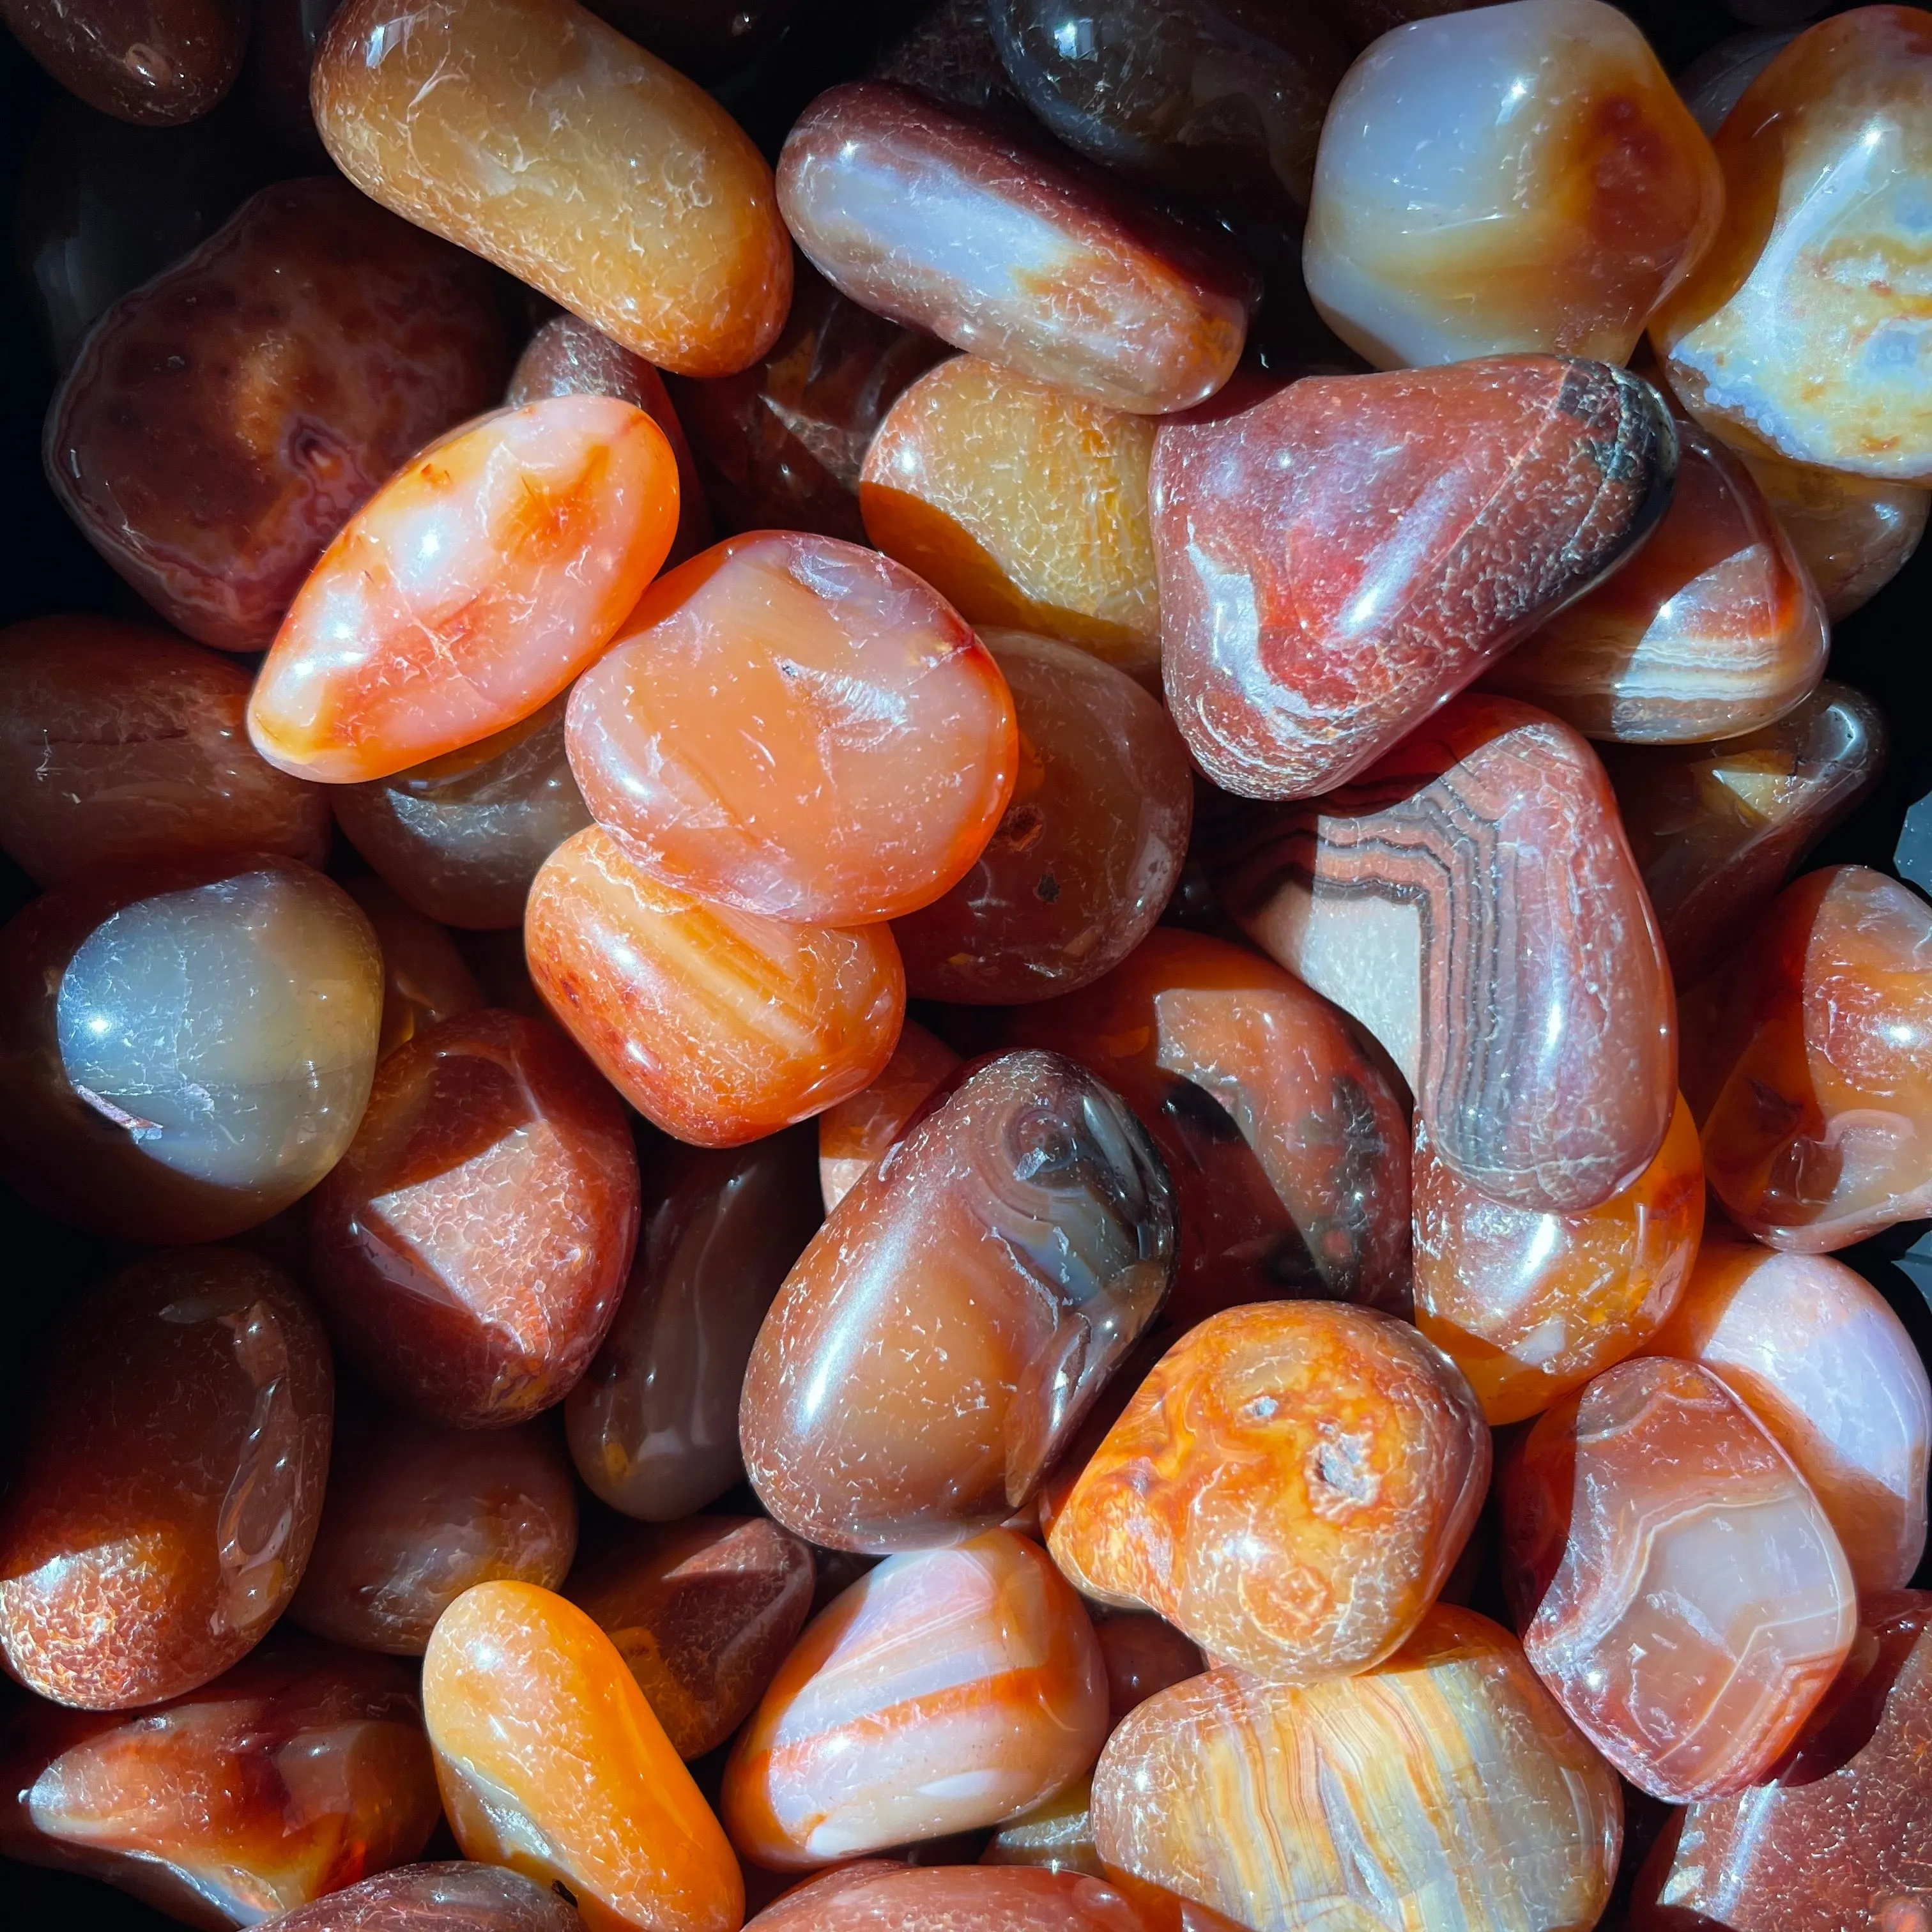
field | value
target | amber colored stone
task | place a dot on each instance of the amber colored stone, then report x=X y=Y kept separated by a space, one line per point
x=703 y=1611
x=469 y=1248
x=425 y=979
x=800 y=727
x=1339 y=558
x=1143 y=1655
x=967 y=230
x=1289 y=1487
x=450 y=1896
x=1473 y=901
x=121 y=745
x=946 y=1690
x=654 y=1423
x=460 y=837
x=532 y=132
x=158 y=62
x=879 y=1896
x=1056 y=1835
x=551 y=1762
x=567 y=357
x=1842 y=1836
x=1801 y=332
x=298 y=1771
x=1713 y=628
x=416 y=1513
x=185 y=1050
x=1085 y=856
x=167 y=1495
x=1855 y=534
x=1716 y=829
x=1817 y=1137
x=720 y=1026
x=1286 y=1142
x=944 y=1336
x=480 y=580
x=1443 y=1789
x=1816 y=1354
x=1024 y=505
x=852 y=1135
x=1530 y=1304
x=222 y=422
x=1678 y=1586
x=1580 y=193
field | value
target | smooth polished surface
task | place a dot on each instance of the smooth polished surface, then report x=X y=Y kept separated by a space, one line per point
x=469 y=1248
x=944 y=1335
x=1530 y=1305
x=1443 y=1789
x=1855 y=534
x=972 y=232
x=852 y=1135
x=121 y=745
x=184 y=1050
x=796 y=727
x=1513 y=178
x=483 y=577
x=532 y=132
x=946 y=1690
x=880 y=1896
x=654 y=1423
x=1086 y=855
x=1472 y=900
x=222 y=422
x=1802 y=332
x=425 y=979
x=158 y=62
x=523 y=1693
x=452 y=1895
x=170 y=1483
x=1817 y=1136
x=1678 y=1586
x=1289 y=1487
x=1338 y=559
x=1024 y=505
x=720 y=1026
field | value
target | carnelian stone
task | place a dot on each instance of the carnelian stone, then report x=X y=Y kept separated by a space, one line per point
x=969 y=231
x=797 y=726
x=531 y=132
x=1056 y=1835
x=416 y=1513
x=1817 y=1136
x=469 y=1247
x=1339 y=558
x=720 y=1026
x=551 y=1762
x=1530 y=1304
x=121 y=745
x=298 y=1771
x=154 y=62
x=654 y=1423
x=1143 y=1655
x=878 y=1896
x=1024 y=505
x=938 y=1345
x=853 y=1135
x=1284 y=1137
x=168 y=1492
x=1678 y=1586
x=483 y=577
x=450 y=1896
x=703 y=1611
x=946 y=1690
x=1854 y=533
x=222 y=422
x=1290 y=1487
x=425 y=979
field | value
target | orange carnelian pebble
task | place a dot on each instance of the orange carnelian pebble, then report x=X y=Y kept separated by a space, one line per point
x=719 y=1025
x=552 y=1762
x=469 y=590
x=852 y=1135
x=799 y=727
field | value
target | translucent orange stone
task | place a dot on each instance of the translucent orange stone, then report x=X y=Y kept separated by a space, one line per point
x=452 y=1895
x=469 y=590
x=946 y=1691
x=526 y=129
x=1025 y=505
x=852 y=1135
x=551 y=1762
x=1057 y=1835
x=470 y=1248
x=877 y=1896
x=1854 y=533
x=168 y=1492
x=719 y=1025
x=1530 y=1305
x=1289 y=1487
x=1143 y=1654
x=797 y=726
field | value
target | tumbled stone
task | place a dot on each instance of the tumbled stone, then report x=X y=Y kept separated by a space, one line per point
x=853 y=1135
